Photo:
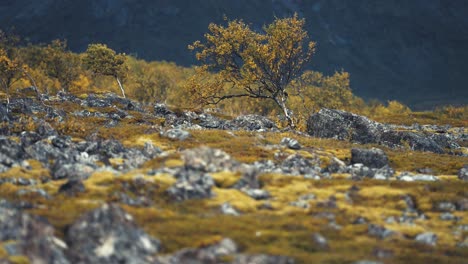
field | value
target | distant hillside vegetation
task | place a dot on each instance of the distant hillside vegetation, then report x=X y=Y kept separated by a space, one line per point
x=411 y=51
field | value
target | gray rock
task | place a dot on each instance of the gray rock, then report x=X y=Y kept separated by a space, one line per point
x=151 y=151
x=4 y=113
x=257 y=194
x=303 y=201
x=445 y=206
x=219 y=253
x=427 y=238
x=320 y=241
x=373 y=158
x=227 y=209
x=10 y=149
x=34 y=191
x=296 y=164
x=162 y=110
x=367 y=262
x=209 y=121
x=109 y=235
x=33 y=237
x=208 y=159
x=176 y=134
x=44 y=152
x=251 y=123
x=379 y=231
x=290 y=143
x=191 y=184
x=383 y=173
x=262 y=259
x=336 y=166
x=71 y=171
x=359 y=171
x=462 y=204
x=463 y=173
x=448 y=217
x=405 y=176
x=328 y=123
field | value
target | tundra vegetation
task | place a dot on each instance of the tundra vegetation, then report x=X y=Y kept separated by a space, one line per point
x=246 y=178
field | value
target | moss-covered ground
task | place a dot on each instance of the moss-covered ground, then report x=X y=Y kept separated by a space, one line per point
x=273 y=226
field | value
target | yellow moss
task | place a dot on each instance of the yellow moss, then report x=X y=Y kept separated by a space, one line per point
x=3 y=252
x=19 y=260
x=236 y=198
x=225 y=179
x=171 y=163
x=116 y=161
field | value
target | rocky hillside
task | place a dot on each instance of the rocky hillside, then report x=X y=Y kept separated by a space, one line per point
x=412 y=51
x=101 y=179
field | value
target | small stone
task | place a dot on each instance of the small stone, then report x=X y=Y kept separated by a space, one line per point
x=379 y=231
x=227 y=209
x=320 y=240
x=448 y=217
x=427 y=238
x=290 y=143
x=177 y=134
x=462 y=204
x=359 y=221
x=257 y=194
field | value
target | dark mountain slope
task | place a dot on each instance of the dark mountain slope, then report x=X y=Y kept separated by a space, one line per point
x=413 y=51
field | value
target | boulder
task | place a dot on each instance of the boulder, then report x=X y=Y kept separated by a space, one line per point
x=372 y=158
x=109 y=235
x=191 y=184
x=329 y=123
x=31 y=236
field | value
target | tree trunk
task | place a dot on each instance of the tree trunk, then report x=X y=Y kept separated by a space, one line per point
x=38 y=94
x=121 y=87
x=282 y=103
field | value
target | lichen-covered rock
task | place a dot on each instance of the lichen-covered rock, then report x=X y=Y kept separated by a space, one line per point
x=379 y=231
x=208 y=160
x=109 y=235
x=31 y=236
x=176 y=134
x=290 y=143
x=251 y=123
x=427 y=238
x=372 y=158
x=162 y=110
x=329 y=123
x=191 y=184
x=463 y=173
